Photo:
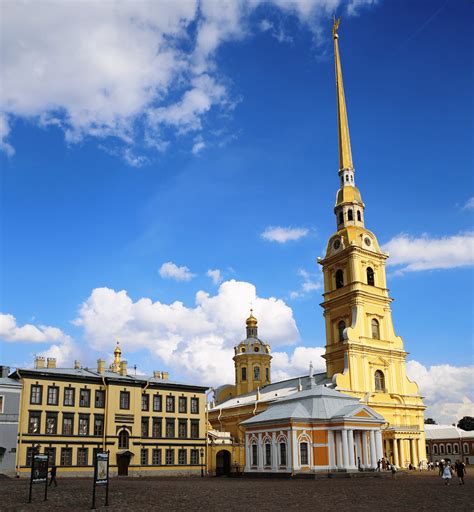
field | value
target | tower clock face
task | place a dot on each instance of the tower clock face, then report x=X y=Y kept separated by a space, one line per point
x=367 y=241
x=336 y=244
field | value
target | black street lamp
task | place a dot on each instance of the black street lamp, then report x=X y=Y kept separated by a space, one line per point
x=201 y=453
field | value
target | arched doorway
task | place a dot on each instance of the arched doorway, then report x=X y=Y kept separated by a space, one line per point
x=123 y=461
x=223 y=463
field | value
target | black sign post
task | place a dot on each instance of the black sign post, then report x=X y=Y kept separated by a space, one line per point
x=101 y=476
x=39 y=474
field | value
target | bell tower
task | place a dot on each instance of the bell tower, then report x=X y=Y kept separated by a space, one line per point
x=252 y=360
x=364 y=356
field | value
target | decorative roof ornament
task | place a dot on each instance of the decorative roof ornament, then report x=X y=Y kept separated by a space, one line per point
x=311 y=369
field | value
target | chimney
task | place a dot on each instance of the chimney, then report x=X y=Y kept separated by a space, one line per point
x=157 y=374
x=123 y=368
x=4 y=371
x=100 y=366
x=39 y=362
x=165 y=375
x=51 y=362
x=77 y=365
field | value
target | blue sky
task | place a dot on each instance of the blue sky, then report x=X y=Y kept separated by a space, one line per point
x=196 y=129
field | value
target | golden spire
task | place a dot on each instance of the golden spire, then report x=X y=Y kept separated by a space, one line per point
x=345 y=154
x=115 y=366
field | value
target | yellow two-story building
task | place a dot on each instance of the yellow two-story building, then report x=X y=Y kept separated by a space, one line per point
x=149 y=425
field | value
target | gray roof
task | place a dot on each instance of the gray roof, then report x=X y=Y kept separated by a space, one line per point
x=7 y=381
x=88 y=373
x=317 y=402
x=436 y=432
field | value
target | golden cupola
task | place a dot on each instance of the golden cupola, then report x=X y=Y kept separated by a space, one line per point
x=115 y=366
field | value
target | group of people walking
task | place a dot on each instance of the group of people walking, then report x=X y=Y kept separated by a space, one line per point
x=446 y=471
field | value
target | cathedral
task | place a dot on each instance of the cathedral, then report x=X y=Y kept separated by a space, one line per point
x=363 y=407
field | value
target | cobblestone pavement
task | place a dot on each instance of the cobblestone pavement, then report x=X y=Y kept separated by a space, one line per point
x=415 y=491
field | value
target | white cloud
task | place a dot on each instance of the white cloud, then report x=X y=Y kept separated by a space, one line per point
x=195 y=342
x=285 y=366
x=62 y=345
x=310 y=283
x=169 y=270
x=425 y=253
x=469 y=204
x=198 y=147
x=127 y=71
x=448 y=390
x=283 y=235
x=215 y=275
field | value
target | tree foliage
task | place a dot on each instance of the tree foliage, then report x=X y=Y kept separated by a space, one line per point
x=466 y=423
x=430 y=421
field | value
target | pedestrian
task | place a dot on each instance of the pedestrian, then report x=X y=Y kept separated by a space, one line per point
x=393 y=468
x=420 y=465
x=441 y=467
x=460 y=469
x=53 y=476
x=447 y=474
x=378 y=465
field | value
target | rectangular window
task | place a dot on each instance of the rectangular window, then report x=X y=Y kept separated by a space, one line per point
x=268 y=454
x=53 y=395
x=170 y=403
x=98 y=425
x=145 y=402
x=181 y=456
x=85 y=398
x=182 y=429
x=282 y=454
x=82 y=456
x=68 y=424
x=36 y=395
x=69 y=396
x=156 y=456
x=157 y=432
x=95 y=451
x=244 y=373
x=83 y=425
x=304 y=454
x=66 y=456
x=182 y=404
x=254 y=455
x=194 y=456
x=51 y=423
x=100 y=398
x=34 y=422
x=195 y=405
x=195 y=429
x=124 y=400
x=51 y=453
x=145 y=427
x=169 y=427
x=169 y=456
x=157 y=405
x=144 y=457
x=29 y=456
x=2 y=401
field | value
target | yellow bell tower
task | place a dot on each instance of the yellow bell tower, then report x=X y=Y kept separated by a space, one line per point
x=364 y=356
x=252 y=360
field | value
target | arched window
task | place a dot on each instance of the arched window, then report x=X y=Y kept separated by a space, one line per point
x=370 y=276
x=339 y=279
x=267 y=374
x=455 y=448
x=358 y=216
x=268 y=454
x=244 y=373
x=435 y=449
x=256 y=373
x=340 y=327
x=282 y=454
x=375 y=329
x=379 y=381
x=465 y=447
x=254 y=454
x=449 y=448
x=123 y=439
x=341 y=217
x=304 y=454
x=441 y=449
x=350 y=216
x=347 y=177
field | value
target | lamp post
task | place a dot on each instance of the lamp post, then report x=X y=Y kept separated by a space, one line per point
x=201 y=453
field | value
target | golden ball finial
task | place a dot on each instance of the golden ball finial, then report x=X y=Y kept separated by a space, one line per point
x=117 y=350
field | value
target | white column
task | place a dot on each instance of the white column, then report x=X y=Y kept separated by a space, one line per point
x=350 y=436
x=260 y=452
x=340 y=463
x=401 y=450
x=289 y=448
x=274 y=453
x=365 y=451
x=414 y=454
x=345 y=449
x=331 y=461
x=395 y=453
x=358 y=454
x=373 y=454
x=294 y=442
x=247 y=452
x=378 y=444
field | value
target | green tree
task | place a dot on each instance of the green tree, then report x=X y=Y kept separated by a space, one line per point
x=466 y=423
x=430 y=421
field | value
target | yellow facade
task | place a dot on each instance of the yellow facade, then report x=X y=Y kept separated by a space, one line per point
x=149 y=425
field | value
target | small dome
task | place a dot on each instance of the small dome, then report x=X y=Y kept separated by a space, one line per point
x=117 y=350
x=251 y=320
